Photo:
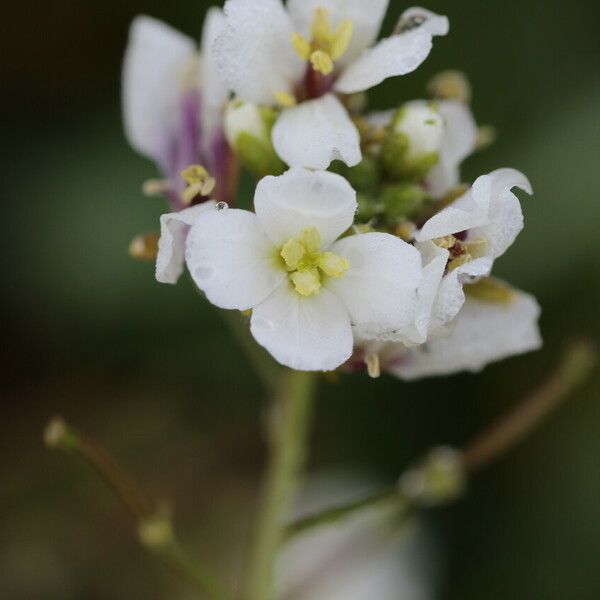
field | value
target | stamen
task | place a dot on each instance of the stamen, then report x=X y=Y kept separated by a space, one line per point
x=311 y=239
x=301 y=46
x=156 y=187
x=306 y=283
x=340 y=40
x=333 y=265
x=321 y=28
x=373 y=365
x=476 y=247
x=492 y=290
x=292 y=253
x=199 y=181
x=321 y=62
x=285 y=99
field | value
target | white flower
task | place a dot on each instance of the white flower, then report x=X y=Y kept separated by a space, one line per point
x=482 y=333
x=173 y=100
x=472 y=233
x=300 y=55
x=305 y=289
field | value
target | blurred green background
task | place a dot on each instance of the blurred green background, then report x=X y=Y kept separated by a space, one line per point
x=151 y=371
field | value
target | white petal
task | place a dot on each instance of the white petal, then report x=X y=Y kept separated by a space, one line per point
x=155 y=59
x=307 y=334
x=315 y=133
x=505 y=218
x=254 y=54
x=174 y=228
x=393 y=56
x=215 y=91
x=434 y=261
x=484 y=332
x=380 y=288
x=231 y=260
x=287 y=204
x=460 y=138
x=435 y=24
x=366 y=17
x=489 y=210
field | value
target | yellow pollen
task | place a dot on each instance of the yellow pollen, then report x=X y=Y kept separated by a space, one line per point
x=325 y=45
x=144 y=246
x=199 y=181
x=285 y=99
x=307 y=265
x=321 y=62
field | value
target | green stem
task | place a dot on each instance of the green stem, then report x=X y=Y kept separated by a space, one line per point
x=266 y=368
x=288 y=437
x=155 y=529
x=576 y=365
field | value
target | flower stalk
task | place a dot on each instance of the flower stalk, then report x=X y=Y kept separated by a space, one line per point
x=154 y=527
x=288 y=433
x=577 y=364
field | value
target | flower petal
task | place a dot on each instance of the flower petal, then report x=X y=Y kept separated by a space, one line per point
x=254 y=53
x=380 y=288
x=366 y=18
x=174 y=228
x=435 y=24
x=488 y=210
x=215 y=91
x=231 y=260
x=484 y=332
x=315 y=133
x=307 y=334
x=460 y=138
x=155 y=58
x=288 y=204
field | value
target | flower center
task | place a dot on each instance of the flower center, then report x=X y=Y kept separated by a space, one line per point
x=307 y=265
x=327 y=45
x=199 y=183
x=461 y=252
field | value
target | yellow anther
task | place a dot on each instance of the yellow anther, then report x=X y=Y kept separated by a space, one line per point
x=199 y=181
x=321 y=28
x=292 y=253
x=373 y=365
x=340 y=40
x=285 y=99
x=333 y=265
x=459 y=261
x=477 y=247
x=446 y=242
x=311 y=239
x=306 y=283
x=321 y=62
x=301 y=46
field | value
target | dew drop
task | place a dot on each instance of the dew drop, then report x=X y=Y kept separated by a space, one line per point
x=409 y=23
x=222 y=206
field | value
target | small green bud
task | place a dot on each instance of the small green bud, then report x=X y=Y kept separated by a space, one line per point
x=368 y=208
x=413 y=141
x=248 y=131
x=403 y=200
x=364 y=177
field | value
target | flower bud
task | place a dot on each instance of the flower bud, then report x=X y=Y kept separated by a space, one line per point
x=413 y=142
x=364 y=177
x=403 y=201
x=248 y=131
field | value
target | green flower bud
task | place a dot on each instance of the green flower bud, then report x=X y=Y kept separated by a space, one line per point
x=364 y=177
x=413 y=141
x=248 y=131
x=403 y=201
x=368 y=208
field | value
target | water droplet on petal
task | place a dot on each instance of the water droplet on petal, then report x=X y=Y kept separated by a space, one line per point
x=222 y=206
x=409 y=23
